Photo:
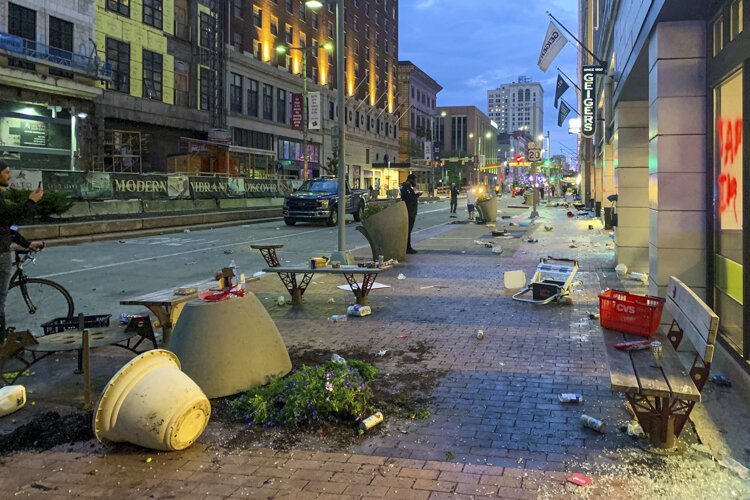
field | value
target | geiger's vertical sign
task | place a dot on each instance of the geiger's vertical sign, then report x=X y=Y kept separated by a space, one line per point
x=588 y=99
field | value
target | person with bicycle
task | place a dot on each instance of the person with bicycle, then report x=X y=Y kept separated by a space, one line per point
x=10 y=239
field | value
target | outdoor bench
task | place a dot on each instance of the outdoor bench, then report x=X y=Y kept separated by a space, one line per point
x=296 y=287
x=663 y=397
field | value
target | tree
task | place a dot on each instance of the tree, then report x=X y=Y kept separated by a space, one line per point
x=332 y=164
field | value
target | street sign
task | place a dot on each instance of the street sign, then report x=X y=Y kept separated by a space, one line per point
x=534 y=152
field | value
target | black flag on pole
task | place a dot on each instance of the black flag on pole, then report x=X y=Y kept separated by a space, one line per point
x=563 y=113
x=560 y=89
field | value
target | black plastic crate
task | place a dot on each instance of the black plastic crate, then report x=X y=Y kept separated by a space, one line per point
x=59 y=325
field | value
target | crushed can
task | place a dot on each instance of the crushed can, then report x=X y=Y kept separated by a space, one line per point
x=570 y=397
x=371 y=421
x=593 y=423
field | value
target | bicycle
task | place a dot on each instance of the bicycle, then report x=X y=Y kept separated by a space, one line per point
x=32 y=302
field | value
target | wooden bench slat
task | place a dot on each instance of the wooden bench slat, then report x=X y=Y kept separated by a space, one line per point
x=696 y=337
x=621 y=373
x=705 y=321
x=675 y=373
x=650 y=378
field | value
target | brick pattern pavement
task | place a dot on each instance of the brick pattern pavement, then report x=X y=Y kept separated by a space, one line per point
x=496 y=429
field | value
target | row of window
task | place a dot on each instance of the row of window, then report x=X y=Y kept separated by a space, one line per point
x=118 y=56
x=734 y=18
x=420 y=96
x=22 y=23
x=153 y=11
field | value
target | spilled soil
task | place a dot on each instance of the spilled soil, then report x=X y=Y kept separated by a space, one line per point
x=46 y=431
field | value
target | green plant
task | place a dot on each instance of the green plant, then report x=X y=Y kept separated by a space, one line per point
x=313 y=394
x=482 y=197
x=373 y=208
x=53 y=203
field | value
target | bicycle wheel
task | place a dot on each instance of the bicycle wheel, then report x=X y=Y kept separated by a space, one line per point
x=47 y=300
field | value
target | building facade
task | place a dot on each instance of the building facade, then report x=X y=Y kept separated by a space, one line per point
x=263 y=81
x=466 y=137
x=49 y=76
x=669 y=143
x=517 y=106
x=417 y=97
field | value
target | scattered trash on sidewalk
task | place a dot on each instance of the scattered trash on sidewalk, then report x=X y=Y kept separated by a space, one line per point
x=548 y=228
x=514 y=279
x=736 y=467
x=331 y=300
x=149 y=460
x=580 y=479
x=358 y=310
x=381 y=353
x=186 y=231
x=570 y=397
x=280 y=300
x=593 y=315
x=573 y=245
x=635 y=345
x=480 y=334
x=642 y=277
x=227 y=252
x=485 y=244
x=591 y=227
x=337 y=318
x=497 y=249
x=532 y=240
x=593 y=423
x=371 y=421
x=400 y=277
x=258 y=274
x=635 y=429
x=570 y=214
x=403 y=336
x=12 y=399
x=120 y=241
x=721 y=381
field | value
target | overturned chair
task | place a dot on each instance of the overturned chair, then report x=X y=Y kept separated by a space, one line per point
x=552 y=281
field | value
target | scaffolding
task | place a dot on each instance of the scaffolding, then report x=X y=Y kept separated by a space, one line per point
x=121 y=152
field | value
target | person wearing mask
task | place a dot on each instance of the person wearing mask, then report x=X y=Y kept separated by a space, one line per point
x=454 y=197
x=409 y=196
x=10 y=239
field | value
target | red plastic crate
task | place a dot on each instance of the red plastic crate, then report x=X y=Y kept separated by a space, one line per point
x=630 y=313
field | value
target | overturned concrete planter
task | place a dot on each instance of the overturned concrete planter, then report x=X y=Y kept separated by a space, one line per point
x=229 y=346
x=151 y=403
x=488 y=209
x=387 y=232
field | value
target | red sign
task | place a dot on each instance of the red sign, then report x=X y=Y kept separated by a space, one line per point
x=296 y=118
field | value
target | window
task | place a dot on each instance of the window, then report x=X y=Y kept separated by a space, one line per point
x=256 y=49
x=330 y=8
x=257 y=17
x=356 y=23
x=237 y=40
x=153 y=13
x=237 y=8
x=274 y=26
x=367 y=9
x=367 y=53
x=288 y=34
x=252 y=97
x=235 y=93
x=61 y=44
x=315 y=20
x=367 y=32
x=302 y=10
x=207 y=31
x=330 y=29
x=208 y=84
x=118 y=57
x=121 y=7
x=281 y=105
x=289 y=6
x=152 y=75
x=267 y=102
x=22 y=22
x=302 y=40
x=718 y=34
x=331 y=110
x=735 y=19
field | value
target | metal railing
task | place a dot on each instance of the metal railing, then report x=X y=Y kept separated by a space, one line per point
x=35 y=52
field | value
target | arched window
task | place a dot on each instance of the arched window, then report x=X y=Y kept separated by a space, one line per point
x=528 y=95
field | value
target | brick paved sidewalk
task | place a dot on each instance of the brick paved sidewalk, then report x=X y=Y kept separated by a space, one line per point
x=496 y=429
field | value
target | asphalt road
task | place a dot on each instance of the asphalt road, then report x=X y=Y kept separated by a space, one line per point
x=99 y=275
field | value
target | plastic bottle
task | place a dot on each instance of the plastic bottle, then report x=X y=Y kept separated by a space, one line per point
x=371 y=421
x=12 y=398
x=592 y=423
x=338 y=317
x=338 y=359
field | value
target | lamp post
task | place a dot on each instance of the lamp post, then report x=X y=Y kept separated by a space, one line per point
x=342 y=255
x=282 y=49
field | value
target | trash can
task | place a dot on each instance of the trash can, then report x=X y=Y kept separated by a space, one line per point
x=528 y=197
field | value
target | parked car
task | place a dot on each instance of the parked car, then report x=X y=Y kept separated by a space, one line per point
x=317 y=201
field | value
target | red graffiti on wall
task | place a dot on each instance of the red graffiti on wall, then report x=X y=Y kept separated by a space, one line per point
x=730 y=141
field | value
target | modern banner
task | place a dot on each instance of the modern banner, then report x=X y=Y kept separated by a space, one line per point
x=554 y=41
x=313 y=111
x=296 y=118
x=141 y=186
x=588 y=99
x=561 y=87
x=562 y=113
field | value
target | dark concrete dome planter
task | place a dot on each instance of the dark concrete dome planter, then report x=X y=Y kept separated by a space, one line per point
x=387 y=232
x=488 y=209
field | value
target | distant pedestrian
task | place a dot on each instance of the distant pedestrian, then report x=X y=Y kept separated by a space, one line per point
x=471 y=201
x=552 y=190
x=454 y=197
x=409 y=196
x=373 y=193
x=541 y=192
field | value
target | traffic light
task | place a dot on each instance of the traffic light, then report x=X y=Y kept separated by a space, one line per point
x=547 y=163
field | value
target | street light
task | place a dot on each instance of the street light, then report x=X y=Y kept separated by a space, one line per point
x=282 y=49
x=342 y=255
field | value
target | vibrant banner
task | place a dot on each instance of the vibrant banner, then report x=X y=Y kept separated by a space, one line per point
x=554 y=41
x=313 y=111
x=296 y=112
x=209 y=187
x=562 y=113
x=561 y=87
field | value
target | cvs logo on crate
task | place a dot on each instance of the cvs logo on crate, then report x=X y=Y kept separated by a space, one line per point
x=625 y=308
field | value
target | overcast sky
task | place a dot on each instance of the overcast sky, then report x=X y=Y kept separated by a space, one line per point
x=471 y=46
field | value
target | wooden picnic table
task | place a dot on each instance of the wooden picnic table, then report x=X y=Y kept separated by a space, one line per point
x=296 y=288
x=167 y=305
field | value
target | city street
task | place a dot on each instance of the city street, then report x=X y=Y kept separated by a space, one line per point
x=495 y=427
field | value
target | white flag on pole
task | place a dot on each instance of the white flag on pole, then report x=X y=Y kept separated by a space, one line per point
x=553 y=44
x=313 y=110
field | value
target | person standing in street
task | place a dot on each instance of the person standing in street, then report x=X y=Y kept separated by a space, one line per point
x=454 y=197
x=409 y=196
x=471 y=201
x=10 y=239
